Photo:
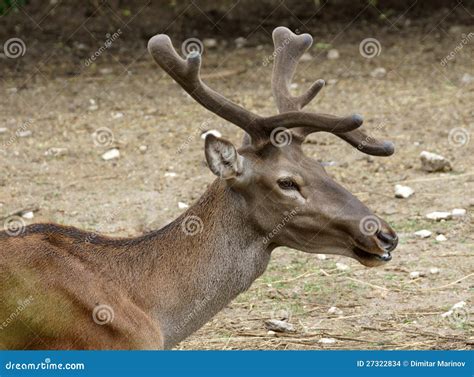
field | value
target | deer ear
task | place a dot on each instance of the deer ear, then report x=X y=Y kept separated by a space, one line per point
x=222 y=157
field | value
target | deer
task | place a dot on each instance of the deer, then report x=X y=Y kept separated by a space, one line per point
x=65 y=288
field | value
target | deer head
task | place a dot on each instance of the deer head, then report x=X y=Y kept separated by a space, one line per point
x=286 y=195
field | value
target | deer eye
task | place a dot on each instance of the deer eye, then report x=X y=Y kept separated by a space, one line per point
x=287 y=184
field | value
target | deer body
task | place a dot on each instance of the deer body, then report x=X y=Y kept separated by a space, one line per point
x=160 y=287
x=62 y=288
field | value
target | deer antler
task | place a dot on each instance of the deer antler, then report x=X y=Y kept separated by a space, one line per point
x=187 y=74
x=289 y=48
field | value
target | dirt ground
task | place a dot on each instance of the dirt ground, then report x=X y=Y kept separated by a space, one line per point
x=157 y=129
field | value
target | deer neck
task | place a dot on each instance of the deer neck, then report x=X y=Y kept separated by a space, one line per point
x=195 y=266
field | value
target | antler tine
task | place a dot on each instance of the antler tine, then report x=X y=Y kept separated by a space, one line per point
x=368 y=144
x=289 y=48
x=187 y=74
x=312 y=122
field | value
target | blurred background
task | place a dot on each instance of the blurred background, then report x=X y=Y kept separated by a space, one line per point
x=93 y=134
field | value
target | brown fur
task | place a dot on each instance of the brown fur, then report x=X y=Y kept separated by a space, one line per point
x=161 y=287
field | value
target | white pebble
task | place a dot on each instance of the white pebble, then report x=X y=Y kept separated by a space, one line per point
x=342 y=266
x=334 y=310
x=280 y=326
x=450 y=312
x=441 y=238
x=105 y=71
x=142 y=148
x=415 y=275
x=210 y=132
x=458 y=212
x=240 y=42
x=306 y=57
x=24 y=133
x=321 y=256
x=447 y=314
x=438 y=215
x=333 y=54
x=170 y=174
x=434 y=270
x=92 y=105
x=182 y=205
x=56 y=152
x=378 y=73
x=459 y=305
x=467 y=78
x=117 y=115
x=423 y=233
x=209 y=42
x=432 y=162
x=403 y=191
x=111 y=154
x=28 y=215
x=3 y=130
x=327 y=340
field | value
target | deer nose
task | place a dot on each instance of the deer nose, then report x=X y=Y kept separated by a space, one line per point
x=388 y=238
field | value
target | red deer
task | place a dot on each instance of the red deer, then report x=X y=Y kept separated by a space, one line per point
x=64 y=288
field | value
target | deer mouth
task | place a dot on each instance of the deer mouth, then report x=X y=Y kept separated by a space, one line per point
x=371 y=259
